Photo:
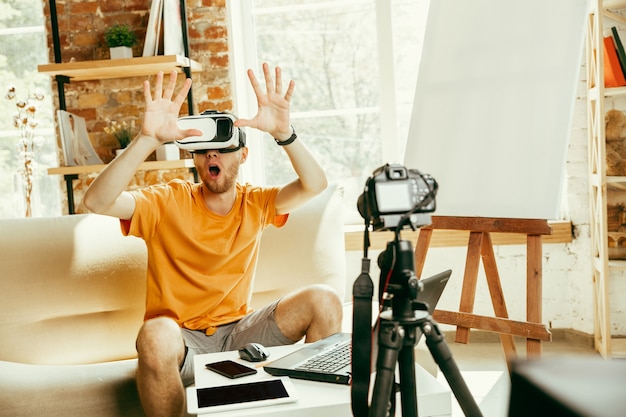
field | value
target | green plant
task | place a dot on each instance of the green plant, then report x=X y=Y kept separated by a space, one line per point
x=123 y=132
x=120 y=35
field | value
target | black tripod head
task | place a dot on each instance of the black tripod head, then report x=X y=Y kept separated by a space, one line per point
x=399 y=287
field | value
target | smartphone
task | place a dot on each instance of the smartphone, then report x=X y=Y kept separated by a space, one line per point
x=230 y=369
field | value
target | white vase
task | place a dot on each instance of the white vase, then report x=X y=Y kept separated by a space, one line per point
x=120 y=52
x=167 y=152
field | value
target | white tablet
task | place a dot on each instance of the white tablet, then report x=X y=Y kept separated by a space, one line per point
x=241 y=395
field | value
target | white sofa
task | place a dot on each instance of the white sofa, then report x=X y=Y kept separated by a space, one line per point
x=72 y=300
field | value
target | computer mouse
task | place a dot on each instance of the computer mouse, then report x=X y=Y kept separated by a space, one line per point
x=253 y=352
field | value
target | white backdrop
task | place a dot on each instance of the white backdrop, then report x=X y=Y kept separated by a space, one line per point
x=493 y=104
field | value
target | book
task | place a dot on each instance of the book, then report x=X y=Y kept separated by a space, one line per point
x=613 y=75
x=619 y=47
x=153 y=30
x=172 y=28
x=75 y=143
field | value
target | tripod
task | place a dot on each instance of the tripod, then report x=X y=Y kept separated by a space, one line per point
x=398 y=335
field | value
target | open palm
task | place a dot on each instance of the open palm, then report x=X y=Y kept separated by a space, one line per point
x=273 y=106
x=160 y=119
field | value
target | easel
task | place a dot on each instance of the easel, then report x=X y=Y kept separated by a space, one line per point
x=480 y=247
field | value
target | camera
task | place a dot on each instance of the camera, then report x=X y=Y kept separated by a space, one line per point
x=393 y=193
x=218 y=131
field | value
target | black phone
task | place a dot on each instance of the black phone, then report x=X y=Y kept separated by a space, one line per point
x=230 y=369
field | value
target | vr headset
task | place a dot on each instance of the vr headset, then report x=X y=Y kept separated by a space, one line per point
x=218 y=132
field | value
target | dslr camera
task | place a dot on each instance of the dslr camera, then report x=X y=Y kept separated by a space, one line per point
x=394 y=194
x=218 y=131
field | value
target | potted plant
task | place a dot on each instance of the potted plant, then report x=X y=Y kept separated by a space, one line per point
x=122 y=132
x=120 y=39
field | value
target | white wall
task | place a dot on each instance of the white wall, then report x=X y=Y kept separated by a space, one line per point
x=567 y=278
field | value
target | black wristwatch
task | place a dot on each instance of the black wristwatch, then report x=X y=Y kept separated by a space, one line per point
x=287 y=141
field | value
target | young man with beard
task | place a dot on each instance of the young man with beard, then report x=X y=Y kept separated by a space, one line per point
x=203 y=240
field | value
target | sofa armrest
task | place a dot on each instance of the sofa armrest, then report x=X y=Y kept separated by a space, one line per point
x=68 y=275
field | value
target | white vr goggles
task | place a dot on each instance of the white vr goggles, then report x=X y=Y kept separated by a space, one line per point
x=218 y=132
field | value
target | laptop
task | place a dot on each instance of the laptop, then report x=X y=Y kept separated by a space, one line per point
x=328 y=360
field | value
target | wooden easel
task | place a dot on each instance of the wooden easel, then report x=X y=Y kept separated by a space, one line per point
x=480 y=247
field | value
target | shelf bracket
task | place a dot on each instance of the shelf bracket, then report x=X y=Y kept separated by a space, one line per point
x=187 y=70
x=61 y=81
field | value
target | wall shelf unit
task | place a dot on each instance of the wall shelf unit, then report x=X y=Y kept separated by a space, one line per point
x=118 y=68
x=64 y=73
x=604 y=269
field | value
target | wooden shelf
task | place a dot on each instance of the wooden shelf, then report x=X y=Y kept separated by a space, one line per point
x=618 y=347
x=617 y=265
x=117 y=68
x=614 y=91
x=613 y=4
x=71 y=173
x=146 y=166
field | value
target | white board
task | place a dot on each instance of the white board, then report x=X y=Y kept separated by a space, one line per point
x=493 y=104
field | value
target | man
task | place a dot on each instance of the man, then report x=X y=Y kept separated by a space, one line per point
x=202 y=242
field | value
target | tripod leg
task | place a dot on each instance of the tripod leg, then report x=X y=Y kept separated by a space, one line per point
x=443 y=357
x=408 y=387
x=390 y=337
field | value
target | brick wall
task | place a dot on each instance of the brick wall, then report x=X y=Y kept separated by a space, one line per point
x=81 y=32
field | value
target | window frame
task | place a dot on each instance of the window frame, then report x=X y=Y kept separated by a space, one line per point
x=243 y=55
x=48 y=203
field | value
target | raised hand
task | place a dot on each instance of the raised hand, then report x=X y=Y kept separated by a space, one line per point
x=161 y=113
x=273 y=106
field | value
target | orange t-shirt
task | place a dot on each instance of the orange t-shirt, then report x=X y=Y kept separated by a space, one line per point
x=200 y=264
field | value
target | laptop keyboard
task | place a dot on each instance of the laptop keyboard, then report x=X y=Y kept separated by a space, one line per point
x=330 y=360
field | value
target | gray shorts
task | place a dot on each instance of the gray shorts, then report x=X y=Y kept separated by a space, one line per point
x=258 y=326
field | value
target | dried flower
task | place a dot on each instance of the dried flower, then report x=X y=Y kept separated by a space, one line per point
x=10 y=92
x=24 y=119
x=122 y=132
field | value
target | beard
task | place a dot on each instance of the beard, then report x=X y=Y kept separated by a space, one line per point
x=225 y=182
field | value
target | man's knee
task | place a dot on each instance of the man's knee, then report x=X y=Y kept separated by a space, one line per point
x=324 y=305
x=314 y=311
x=326 y=298
x=160 y=339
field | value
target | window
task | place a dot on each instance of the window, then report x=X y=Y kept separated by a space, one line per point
x=22 y=48
x=355 y=64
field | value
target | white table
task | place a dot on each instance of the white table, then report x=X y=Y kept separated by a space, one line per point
x=317 y=398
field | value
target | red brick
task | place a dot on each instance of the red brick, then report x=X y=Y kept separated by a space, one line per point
x=214 y=3
x=84 y=7
x=215 y=92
